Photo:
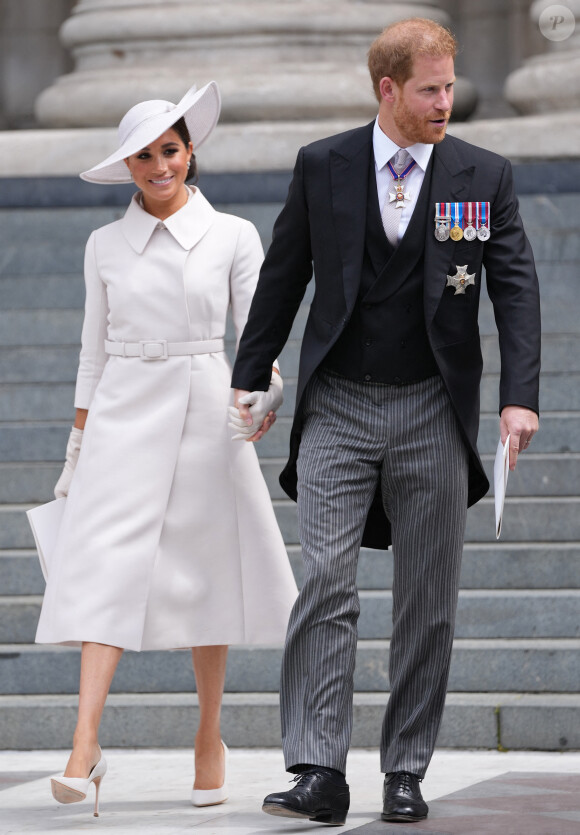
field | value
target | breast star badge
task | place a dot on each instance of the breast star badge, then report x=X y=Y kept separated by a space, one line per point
x=460 y=280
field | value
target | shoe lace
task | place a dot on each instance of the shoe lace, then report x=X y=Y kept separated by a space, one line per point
x=405 y=780
x=298 y=777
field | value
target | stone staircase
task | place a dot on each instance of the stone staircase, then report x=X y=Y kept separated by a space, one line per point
x=515 y=676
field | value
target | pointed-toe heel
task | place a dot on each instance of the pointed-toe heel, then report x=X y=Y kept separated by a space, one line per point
x=212 y=797
x=75 y=789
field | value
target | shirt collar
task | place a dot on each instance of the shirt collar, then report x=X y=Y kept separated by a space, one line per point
x=188 y=225
x=384 y=149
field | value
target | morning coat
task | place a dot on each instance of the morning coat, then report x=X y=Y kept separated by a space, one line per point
x=322 y=226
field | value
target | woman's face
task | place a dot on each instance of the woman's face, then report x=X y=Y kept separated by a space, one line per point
x=159 y=170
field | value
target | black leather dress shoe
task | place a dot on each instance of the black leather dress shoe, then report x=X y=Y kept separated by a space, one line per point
x=402 y=800
x=316 y=796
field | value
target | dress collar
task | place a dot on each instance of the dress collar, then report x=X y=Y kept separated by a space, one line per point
x=187 y=225
x=384 y=149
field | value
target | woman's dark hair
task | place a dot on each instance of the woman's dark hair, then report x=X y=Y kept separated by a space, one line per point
x=180 y=127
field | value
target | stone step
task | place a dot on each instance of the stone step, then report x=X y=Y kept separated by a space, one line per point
x=499 y=566
x=559 y=392
x=545 y=613
x=547 y=722
x=46 y=441
x=58 y=235
x=488 y=614
x=52 y=240
x=524 y=519
x=560 y=433
x=40 y=327
x=66 y=291
x=54 y=400
x=60 y=327
x=550 y=228
x=29 y=364
x=35 y=295
x=539 y=665
x=546 y=519
x=35 y=401
x=560 y=351
x=51 y=292
x=494 y=565
x=537 y=474
x=28 y=482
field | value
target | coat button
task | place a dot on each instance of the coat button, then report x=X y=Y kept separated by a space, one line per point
x=368 y=342
x=368 y=378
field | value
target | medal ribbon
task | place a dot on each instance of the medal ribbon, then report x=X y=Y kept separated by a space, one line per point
x=468 y=209
x=404 y=173
x=483 y=214
x=457 y=214
x=442 y=211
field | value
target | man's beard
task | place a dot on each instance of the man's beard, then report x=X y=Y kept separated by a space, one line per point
x=419 y=128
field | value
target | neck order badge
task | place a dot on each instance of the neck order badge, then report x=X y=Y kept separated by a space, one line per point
x=400 y=195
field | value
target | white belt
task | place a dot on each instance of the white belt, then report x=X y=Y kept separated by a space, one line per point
x=161 y=349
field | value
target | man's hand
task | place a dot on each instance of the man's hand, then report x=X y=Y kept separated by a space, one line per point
x=521 y=424
x=252 y=416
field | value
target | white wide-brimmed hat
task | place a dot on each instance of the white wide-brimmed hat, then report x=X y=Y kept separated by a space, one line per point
x=148 y=120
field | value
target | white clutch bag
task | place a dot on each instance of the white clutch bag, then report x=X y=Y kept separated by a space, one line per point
x=45 y=522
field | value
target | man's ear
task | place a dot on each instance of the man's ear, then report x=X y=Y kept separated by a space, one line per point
x=387 y=88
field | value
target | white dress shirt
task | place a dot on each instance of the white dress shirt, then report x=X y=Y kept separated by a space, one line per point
x=384 y=150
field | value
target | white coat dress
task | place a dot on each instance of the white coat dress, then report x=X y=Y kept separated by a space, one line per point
x=169 y=538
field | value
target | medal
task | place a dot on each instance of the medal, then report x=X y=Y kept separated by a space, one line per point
x=469 y=233
x=400 y=195
x=456 y=232
x=482 y=212
x=460 y=280
x=442 y=221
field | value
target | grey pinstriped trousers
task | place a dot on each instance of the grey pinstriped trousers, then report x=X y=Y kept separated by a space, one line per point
x=355 y=434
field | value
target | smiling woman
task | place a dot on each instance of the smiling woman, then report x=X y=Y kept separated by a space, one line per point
x=160 y=171
x=168 y=537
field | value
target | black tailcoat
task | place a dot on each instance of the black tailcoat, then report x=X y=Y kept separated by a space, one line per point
x=323 y=224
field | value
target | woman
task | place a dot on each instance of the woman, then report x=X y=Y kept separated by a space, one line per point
x=168 y=535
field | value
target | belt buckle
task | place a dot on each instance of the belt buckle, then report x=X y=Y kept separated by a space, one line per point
x=151 y=350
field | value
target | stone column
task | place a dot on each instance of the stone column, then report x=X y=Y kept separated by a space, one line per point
x=550 y=83
x=298 y=60
x=30 y=55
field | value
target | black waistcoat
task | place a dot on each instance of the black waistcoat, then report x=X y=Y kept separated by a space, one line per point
x=385 y=339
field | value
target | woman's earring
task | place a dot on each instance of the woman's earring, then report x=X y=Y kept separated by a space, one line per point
x=189 y=163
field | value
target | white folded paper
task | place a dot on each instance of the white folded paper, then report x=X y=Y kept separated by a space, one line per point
x=501 y=470
x=45 y=523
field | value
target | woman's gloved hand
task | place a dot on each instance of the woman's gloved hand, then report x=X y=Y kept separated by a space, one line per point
x=73 y=448
x=261 y=404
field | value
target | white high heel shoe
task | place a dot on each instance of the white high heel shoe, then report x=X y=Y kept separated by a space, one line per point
x=211 y=797
x=74 y=789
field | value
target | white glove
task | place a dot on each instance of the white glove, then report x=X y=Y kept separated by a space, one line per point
x=261 y=403
x=73 y=448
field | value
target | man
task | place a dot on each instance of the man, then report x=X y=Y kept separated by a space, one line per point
x=385 y=430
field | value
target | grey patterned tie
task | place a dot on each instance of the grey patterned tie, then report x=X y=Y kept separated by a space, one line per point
x=390 y=215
